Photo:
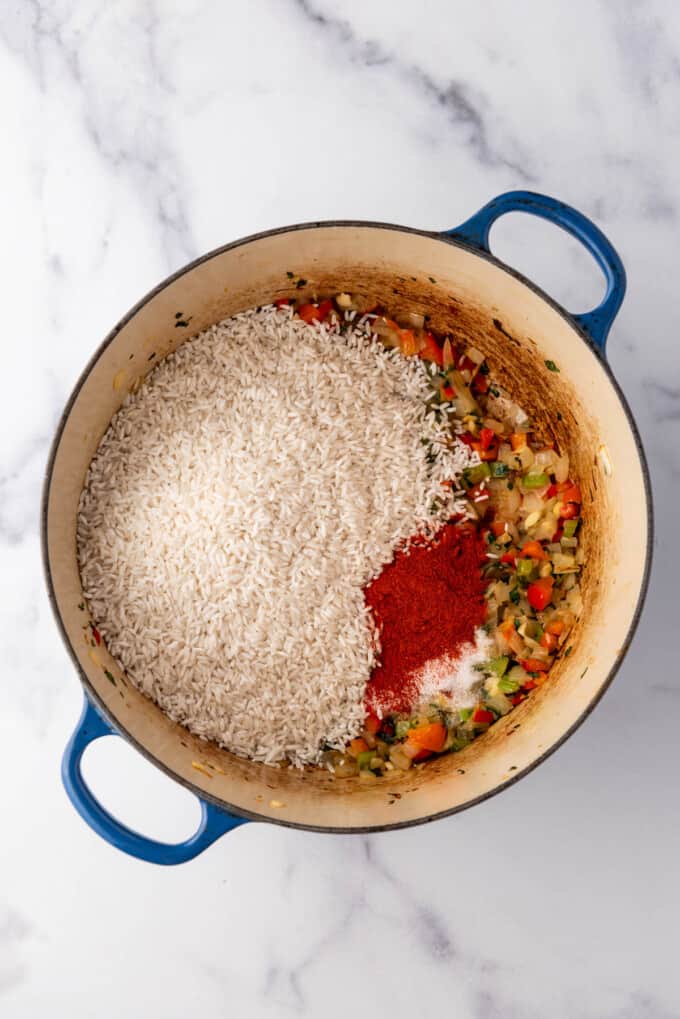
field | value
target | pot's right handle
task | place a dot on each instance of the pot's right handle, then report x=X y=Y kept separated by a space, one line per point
x=214 y=822
x=596 y=323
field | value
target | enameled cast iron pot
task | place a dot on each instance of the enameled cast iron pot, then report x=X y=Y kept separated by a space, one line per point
x=452 y=276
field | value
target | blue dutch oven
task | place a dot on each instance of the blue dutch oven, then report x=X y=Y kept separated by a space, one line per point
x=453 y=277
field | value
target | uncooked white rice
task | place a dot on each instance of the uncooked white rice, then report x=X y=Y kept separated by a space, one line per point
x=235 y=509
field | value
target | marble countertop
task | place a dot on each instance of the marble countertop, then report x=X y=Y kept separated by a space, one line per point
x=137 y=135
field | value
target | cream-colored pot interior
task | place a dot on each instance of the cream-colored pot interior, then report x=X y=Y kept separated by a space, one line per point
x=518 y=329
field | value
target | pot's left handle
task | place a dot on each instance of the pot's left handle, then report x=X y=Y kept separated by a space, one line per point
x=214 y=822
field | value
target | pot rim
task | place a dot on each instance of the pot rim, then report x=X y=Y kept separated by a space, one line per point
x=444 y=238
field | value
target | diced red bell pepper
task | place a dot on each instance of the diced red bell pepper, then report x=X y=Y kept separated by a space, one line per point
x=431 y=736
x=569 y=510
x=408 y=342
x=97 y=635
x=448 y=392
x=487 y=437
x=552 y=491
x=540 y=592
x=497 y=528
x=465 y=364
x=431 y=350
x=518 y=440
x=282 y=302
x=557 y=627
x=516 y=699
x=533 y=550
x=534 y=665
x=478 y=494
x=422 y=755
x=372 y=723
x=468 y=438
x=480 y=383
x=310 y=313
x=571 y=493
x=530 y=684
x=482 y=717
x=509 y=557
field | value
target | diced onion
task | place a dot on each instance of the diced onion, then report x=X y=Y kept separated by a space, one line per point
x=474 y=355
x=562 y=469
x=544 y=458
x=416 y=319
x=525 y=457
x=494 y=425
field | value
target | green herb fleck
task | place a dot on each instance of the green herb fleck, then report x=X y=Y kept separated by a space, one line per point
x=511 y=485
x=490 y=540
x=290 y=275
x=559 y=416
x=568 y=651
x=517 y=623
x=109 y=677
x=551 y=366
x=81 y=606
x=483 y=368
x=494 y=391
x=514 y=596
x=300 y=284
x=178 y=314
x=182 y=323
x=432 y=279
x=151 y=356
x=584 y=672
x=414 y=279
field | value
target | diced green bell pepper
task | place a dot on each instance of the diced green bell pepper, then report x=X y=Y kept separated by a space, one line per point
x=498 y=469
x=506 y=685
x=570 y=528
x=473 y=475
x=498 y=665
x=364 y=758
x=525 y=567
x=535 y=480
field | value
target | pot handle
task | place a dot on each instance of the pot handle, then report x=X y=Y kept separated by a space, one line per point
x=214 y=822
x=596 y=323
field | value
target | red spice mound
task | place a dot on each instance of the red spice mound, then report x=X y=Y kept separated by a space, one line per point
x=426 y=603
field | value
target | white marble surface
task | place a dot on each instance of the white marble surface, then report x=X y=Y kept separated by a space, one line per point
x=137 y=135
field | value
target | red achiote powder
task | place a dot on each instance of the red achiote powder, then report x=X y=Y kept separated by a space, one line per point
x=426 y=603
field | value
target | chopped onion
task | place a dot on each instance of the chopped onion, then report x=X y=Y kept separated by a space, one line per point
x=494 y=425
x=532 y=503
x=416 y=319
x=525 y=456
x=562 y=469
x=544 y=458
x=344 y=301
x=474 y=355
x=387 y=334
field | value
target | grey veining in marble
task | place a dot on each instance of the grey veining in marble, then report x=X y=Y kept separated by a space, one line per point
x=137 y=135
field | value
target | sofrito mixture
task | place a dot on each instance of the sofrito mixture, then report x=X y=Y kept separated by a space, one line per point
x=471 y=622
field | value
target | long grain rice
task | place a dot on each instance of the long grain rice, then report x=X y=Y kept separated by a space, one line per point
x=235 y=509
